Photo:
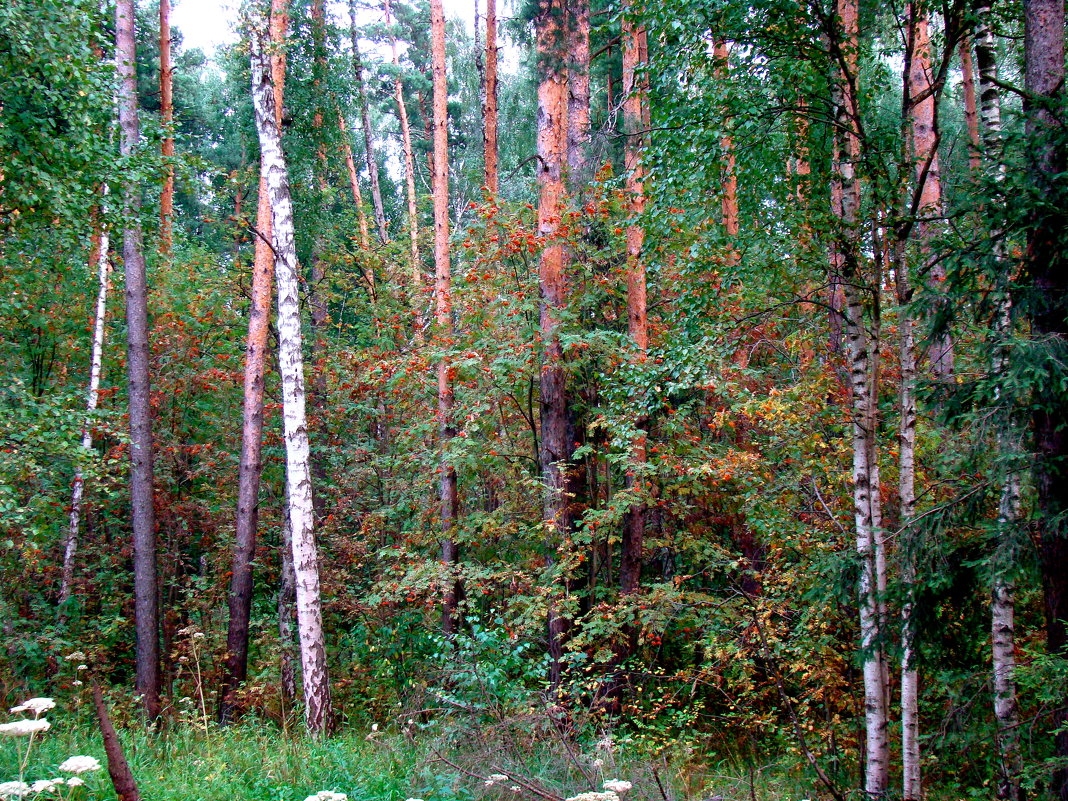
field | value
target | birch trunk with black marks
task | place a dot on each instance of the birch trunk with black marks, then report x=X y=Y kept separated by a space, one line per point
x=291 y=367
x=142 y=517
x=862 y=347
x=96 y=366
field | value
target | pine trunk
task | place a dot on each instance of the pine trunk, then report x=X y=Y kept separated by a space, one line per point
x=635 y=56
x=166 y=111
x=729 y=181
x=409 y=178
x=489 y=131
x=291 y=366
x=1044 y=261
x=443 y=317
x=368 y=134
x=354 y=185
x=577 y=14
x=971 y=113
x=556 y=441
x=142 y=517
x=928 y=174
x=250 y=465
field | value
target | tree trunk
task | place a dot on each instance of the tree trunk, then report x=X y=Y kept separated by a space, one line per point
x=291 y=367
x=250 y=465
x=1010 y=446
x=635 y=56
x=287 y=613
x=166 y=110
x=1045 y=265
x=863 y=351
x=142 y=518
x=910 y=689
x=577 y=15
x=928 y=174
x=354 y=184
x=971 y=114
x=409 y=177
x=443 y=317
x=489 y=130
x=122 y=780
x=556 y=440
x=96 y=363
x=729 y=181
x=368 y=135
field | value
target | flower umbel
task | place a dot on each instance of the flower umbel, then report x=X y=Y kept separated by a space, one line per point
x=80 y=764
x=22 y=728
x=35 y=705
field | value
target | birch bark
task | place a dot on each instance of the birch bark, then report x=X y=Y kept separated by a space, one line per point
x=291 y=366
x=96 y=365
x=368 y=134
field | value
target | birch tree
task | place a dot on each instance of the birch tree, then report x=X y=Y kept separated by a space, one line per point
x=317 y=710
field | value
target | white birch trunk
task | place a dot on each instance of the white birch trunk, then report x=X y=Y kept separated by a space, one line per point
x=92 y=398
x=291 y=368
x=1003 y=590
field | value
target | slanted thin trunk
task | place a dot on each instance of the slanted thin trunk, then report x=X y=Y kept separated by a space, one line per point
x=863 y=352
x=450 y=554
x=489 y=129
x=365 y=123
x=1044 y=262
x=354 y=184
x=122 y=779
x=971 y=113
x=1010 y=446
x=928 y=174
x=291 y=367
x=166 y=111
x=96 y=364
x=409 y=178
x=577 y=34
x=635 y=56
x=142 y=518
x=239 y=600
x=556 y=441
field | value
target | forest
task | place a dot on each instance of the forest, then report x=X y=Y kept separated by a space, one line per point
x=556 y=400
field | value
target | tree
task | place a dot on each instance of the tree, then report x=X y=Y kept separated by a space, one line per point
x=489 y=129
x=146 y=604
x=166 y=101
x=1044 y=262
x=317 y=712
x=250 y=465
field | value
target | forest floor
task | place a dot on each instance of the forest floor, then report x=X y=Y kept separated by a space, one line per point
x=260 y=762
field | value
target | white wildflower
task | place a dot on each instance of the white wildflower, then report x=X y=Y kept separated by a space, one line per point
x=374 y=727
x=46 y=785
x=82 y=667
x=35 y=705
x=494 y=778
x=77 y=683
x=598 y=763
x=514 y=788
x=327 y=795
x=617 y=786
x=75 y=656
x=80 y=764
x=20 y=728
x=198 y=635
x=594 y=797
x=14 y=789
x=75 y=781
